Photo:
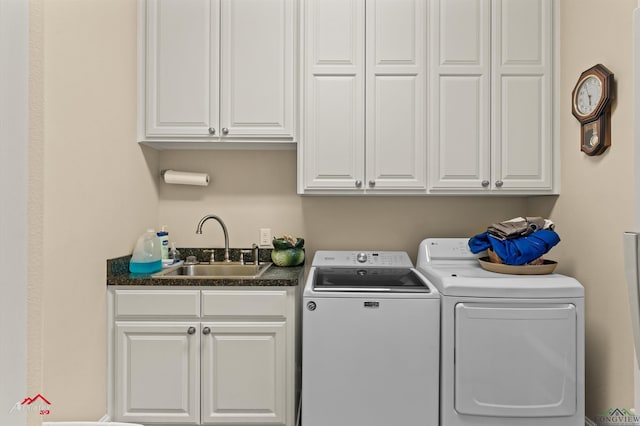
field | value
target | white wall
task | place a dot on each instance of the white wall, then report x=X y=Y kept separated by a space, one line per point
x=257 y=189
x=13 y=213
x=91 y=194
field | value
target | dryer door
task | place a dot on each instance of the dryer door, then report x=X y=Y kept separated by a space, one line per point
x=515 y=360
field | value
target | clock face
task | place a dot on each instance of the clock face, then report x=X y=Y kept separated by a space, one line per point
x=589 y=95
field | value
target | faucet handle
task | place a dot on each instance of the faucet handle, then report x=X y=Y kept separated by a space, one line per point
x=256 y=253
x=212 y=259
x=242 y=253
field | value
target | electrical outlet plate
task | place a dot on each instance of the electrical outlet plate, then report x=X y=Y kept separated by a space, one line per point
x=265 y=237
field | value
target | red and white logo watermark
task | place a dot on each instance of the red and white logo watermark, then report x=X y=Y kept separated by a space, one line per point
x=38 y=404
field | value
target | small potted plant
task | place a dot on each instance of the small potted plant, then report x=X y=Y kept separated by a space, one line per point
x=287 y=251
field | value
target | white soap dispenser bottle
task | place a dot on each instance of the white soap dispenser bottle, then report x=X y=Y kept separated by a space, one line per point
x=164 y=241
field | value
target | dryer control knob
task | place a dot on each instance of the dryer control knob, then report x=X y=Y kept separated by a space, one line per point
x=361 y=257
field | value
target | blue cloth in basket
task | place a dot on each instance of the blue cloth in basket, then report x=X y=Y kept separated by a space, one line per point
x=517 y=251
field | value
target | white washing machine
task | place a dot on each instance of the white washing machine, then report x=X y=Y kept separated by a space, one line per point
x=512 y=346
x=370 y=342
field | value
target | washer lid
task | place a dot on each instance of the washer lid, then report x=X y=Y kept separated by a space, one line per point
x=473 y=281
x=376 y=280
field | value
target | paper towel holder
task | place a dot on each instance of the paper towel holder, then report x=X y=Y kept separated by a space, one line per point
x=184 y=178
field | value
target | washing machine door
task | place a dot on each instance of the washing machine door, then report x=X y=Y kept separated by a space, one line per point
x=515 y=360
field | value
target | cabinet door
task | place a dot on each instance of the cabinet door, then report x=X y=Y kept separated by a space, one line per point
x=332 y=153
x=522 y=106
x=257 y=67
x=157 y=367
x=491 y=91
x=243 y=373
x=181 y=67
x=396 y=34
x=460 y=135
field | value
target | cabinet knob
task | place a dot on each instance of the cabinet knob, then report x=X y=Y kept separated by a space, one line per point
x=485 y=183
x=212 y=131
x=206 y=331
x=372 y=183
x=225 y=131
x=358 y=184
x=499 y=183
x=191 y=330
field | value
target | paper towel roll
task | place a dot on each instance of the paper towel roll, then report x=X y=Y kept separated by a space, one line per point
x=185 y=178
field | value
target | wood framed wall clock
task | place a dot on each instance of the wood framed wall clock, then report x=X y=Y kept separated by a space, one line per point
x=591 y=105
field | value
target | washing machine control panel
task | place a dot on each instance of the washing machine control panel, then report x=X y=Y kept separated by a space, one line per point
x=362 y=258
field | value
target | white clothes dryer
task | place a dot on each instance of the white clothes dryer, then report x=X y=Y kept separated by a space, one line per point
x=512 y=346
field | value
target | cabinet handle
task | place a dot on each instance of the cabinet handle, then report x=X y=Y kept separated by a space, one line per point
x=358 y=184
x=485 y=183
x=206 y=331
x=372 y=183
x=225 y=131
x=212 y=131
x=499 y=183
x=191 y=330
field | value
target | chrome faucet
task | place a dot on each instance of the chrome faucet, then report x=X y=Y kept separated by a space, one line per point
x=226 y=235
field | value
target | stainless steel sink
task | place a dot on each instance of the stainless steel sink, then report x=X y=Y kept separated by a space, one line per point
x=214 y=270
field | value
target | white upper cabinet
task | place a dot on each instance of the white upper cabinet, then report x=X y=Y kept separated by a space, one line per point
x=491 y=96
x=522 y=95
x=217 y=71
x=333 y=140
x=256 y=63
x=396 y=94
x=364 y=95
x=182 y=78
x=460 y=132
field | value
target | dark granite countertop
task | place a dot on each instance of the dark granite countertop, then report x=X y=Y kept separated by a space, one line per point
x=118 y=273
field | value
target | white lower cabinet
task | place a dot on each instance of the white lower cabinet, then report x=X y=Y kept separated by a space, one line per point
x=209 y=357
x=157 y=372
x=243 y=369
